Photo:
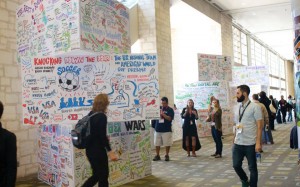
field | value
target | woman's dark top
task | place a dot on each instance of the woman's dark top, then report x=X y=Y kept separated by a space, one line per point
x=98 y=141
x=189 y=129
x=189 y=123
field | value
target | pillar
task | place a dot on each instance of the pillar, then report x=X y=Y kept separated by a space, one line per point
x=296 y=18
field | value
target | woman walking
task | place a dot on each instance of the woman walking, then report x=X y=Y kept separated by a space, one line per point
x=98 y=146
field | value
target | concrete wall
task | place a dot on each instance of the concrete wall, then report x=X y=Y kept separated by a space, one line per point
x=147 y=27
x=155 y=37
x=164 y=48
x=10 y=90
x=134 y=24
x=226 y=34
x=225 y=21
x=290 y=78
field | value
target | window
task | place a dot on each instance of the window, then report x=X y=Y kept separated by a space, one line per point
x=240 y=47
x=275 y=93
x=258 y=53
x=282 y=84
x=275 y=82
x=261 y=55
x=281 y=68
x=244 y=49
x=273 y=64
x=283 y=92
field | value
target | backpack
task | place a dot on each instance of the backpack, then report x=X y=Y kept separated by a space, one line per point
x=81 y=133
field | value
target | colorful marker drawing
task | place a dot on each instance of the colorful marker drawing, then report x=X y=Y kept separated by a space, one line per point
x=67 y=85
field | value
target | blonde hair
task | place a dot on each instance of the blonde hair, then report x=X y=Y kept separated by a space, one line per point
x=100 y=103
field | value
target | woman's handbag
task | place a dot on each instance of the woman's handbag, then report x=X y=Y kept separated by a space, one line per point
x=272 y=108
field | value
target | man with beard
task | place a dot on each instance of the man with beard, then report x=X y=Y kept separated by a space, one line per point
x=247 y=138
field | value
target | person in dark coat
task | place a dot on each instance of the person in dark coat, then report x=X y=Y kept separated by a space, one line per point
x=283 y=108
x=190 y=140
x=266 y=101
x=8 y=155
x=98 y=147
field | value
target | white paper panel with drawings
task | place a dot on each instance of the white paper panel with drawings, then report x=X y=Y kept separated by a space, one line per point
x=214 y=67
x=61 y=89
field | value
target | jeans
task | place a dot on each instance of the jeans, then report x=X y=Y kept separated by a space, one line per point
x=283 y=112
x=217 y=136
x=267 y=135
x=290 y=118
x=238 y=154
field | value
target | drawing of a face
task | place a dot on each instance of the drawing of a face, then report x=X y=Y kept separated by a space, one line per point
x=88 y=68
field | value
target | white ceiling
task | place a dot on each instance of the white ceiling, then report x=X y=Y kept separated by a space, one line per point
x=269 y=20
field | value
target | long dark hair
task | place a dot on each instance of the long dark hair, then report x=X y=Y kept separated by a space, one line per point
x=263 y=95
x=187 y=106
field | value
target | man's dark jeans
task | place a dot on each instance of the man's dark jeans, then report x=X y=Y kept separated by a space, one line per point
x=238 y=154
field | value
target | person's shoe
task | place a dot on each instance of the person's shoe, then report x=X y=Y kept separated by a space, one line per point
x=218 y=156
x=272 y=142
x=194 y=155
x=156 y=158
x=245 y=184
x=213 y=155
x=167 y=158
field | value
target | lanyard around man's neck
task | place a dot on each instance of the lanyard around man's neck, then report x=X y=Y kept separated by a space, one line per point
x=241 y=115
